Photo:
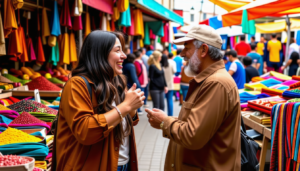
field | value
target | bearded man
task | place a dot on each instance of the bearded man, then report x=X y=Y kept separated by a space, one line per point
x=206 y=134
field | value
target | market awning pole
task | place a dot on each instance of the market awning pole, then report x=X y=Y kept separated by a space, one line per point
x=288 y=23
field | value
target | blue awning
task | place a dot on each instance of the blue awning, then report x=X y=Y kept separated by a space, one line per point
x=161 y=10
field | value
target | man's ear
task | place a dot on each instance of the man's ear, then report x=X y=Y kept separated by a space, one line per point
x=203 y=50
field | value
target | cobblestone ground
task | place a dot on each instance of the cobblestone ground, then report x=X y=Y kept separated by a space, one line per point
x=151 y=146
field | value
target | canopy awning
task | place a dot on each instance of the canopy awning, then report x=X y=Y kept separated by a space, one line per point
x=277 y=27
x=258 y=9
x=230 y=5
x=153 y=7
x=102 y=5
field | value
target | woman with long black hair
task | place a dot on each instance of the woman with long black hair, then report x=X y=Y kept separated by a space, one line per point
x=98 y=135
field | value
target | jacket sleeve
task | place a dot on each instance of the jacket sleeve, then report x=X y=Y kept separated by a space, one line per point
x=134 y=77
x=77 y=110
x=204 y=118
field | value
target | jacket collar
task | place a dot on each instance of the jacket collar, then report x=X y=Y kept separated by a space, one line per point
x=209 y=71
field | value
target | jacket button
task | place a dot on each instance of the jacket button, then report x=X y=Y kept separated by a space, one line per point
x=172 y=165
x=116 y=148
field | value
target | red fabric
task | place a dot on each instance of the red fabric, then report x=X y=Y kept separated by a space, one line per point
x=77 y=23
x=15 y=100
x=166 y=33
x=113 y=27
x=65 y=17
x=39 y=51
x=102 y=5
x=206 y=22
x=151 y=34
x=139 y=71
x=130 y=30
x=179 y=12
x=242 y=48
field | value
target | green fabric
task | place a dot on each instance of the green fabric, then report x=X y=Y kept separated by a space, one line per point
x=157 y=27
x=42 y=116
x=248 y=27
x=125 y=18
x=146 y=34
x=54 y=56
x=159 y=40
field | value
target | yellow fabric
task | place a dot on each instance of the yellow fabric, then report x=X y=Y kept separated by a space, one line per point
x=45 y=26
x=10 y=21
x=295 y=24
x=141 y=43
x=291 y=11
x=229 y=5
x=116 y=14
x=41 y=164
x=138 y=23
x=108 y=25
x=255 y=86
x=123 y=5
x=274 y=51
x=5 y=102
x=65 y=49
x=52 y=41
x=49 y=138
x=2 y=38
x=260 y=48
x=273 y=27
x=80 y=8
x=87 y=24
x=279 y=75
x=73 y=52
x=18 y=4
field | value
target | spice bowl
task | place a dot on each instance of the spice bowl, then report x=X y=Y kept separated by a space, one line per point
x=24 y=167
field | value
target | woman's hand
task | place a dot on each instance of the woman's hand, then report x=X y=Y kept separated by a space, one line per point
x=166 y=90
x=134 y=98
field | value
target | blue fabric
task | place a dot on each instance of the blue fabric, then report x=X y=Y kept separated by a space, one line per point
x=239 y=76
x=224 y=39
x=270 y=82
x=290 y=94
x=178 y=60
x=125 y=18
x=123 y=168
x=184 y=89
x=130 y=72
x=298 y=37
x=227 y=65
x=37 y=134
x=245 y=96
x=256 y=58
x=131 y=46
x=149 y=52
x=55 y=23
x=215 y=23
x=175 y=30
x=2 y=129
x=294 y=115
x=5 y=120
x=283 y=88
x=54 y=107
x=169 y=97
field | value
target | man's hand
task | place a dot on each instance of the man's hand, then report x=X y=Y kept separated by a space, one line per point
x=155 y=117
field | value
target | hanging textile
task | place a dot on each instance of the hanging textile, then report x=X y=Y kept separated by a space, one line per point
x=45 y=26
x=80 y=8
x=224 y=40
x=147 y=35
x=93 y=25
x=2 y=38
x=215 y=23
x=152 y=35
x=73 y=52
x=30 y=49
x=123 y=5
x=39 y=51
x=130 y=30
x=166 y=33
x=171 y=34
x=298 y=37
x=125 y=18
x=113 y=27
x=75 y=9
x=65 y=49
x=103 y=22
x=77 y=23
x=87 y=24
x=65 y=17
x=10 y=21
x=54 y=55
x=54 y=24
x=108 y=25
x=14 y=46
x=248 y=27
x=116 y=14
x=205 y=22
x=24 y=55
x=138 y=23
x=157 y=27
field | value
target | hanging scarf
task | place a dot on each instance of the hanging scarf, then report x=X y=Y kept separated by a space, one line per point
x=65 y=17
x=2 y=38
x=45 y=26
x=10 y=21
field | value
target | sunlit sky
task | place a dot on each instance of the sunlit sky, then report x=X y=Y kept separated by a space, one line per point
x=208 y=6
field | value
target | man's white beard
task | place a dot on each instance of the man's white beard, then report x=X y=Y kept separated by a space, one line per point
x=192 y=69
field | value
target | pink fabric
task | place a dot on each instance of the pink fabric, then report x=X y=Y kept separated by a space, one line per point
x=2 y=103
x=177 y=80
x=145 y=74
x=102 y=5
x=9 y=113
x=65 y=17
x=290 y=82
x=166 y=33
x=130 y=30
x=3 y=125
x=77 y=23
x=151 y=34
x=49 y=155
x=139 y=69
x=244 y=105
x=30 y=49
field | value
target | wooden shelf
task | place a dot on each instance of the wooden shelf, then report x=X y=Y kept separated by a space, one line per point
x=31 y=93
x=267 y=133
x=254 y=125
x=5 y=95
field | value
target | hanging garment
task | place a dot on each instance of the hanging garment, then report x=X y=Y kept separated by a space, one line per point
x=73 y=52
x=24 y=55
x=116 y=14
x=54 y=55
x=75 y=9
x=131 y=28
x=146 y=35
x=39 y=51
x=65 y=49
x=10 y=21
x=108 y=25
x=113 y=27
x=125 y=18
x=14 y=47
x=2 y=38
x=103 y=22
x=80 y=8
x=152 y=35
x=30 y=49
x=77 y=23
x=157 y=27
x=87 y=24
x=166 y=34
x=45 y=26
x=123 y=5
x=248 y=27
x=65 y=17
x=138 y=23
x=54 y=24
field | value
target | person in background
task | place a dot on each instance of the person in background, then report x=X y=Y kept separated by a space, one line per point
x=274 y=47
x=141 y=72
x=150 y=50
x=169 y=67
x=158 y=85
x=249 y=69
x=236 y=69
x=260 y=46
x=179 y=62
x=252 y=41
x=293 y=64
x=257 y=59
x=130 y=72
x=242 y=48
x=145 y=61
x=226 y=61
x=127 y=51
x=294 y=47
x=166 y=52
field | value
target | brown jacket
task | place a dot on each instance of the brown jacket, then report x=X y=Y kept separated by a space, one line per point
x=206 y=135
x=84 y=140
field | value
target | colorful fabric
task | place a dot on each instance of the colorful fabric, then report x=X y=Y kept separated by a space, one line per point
x=10 y=21
x=138 y=23
x=77 y=23
x=270 y=82
x=45 y=26
x=157 y=27
x=55 y=24
x=39 y=51
x=215 y=23
x=248 y=27
x=2 y=38
x=4 y=121
x=30 y=49
x=54 y=55
x=125 y=18
x=65 y=17
x=87 y=24
x=31 y=106
x=25 y=120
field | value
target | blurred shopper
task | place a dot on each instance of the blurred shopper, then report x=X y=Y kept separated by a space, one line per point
x=242 y=48
x=257 y=59
x=206 y=134
x=249 y=69
x=252 y=41
x=260 y=46
x=179 y=62
x=184 y=82
x=293 y=64
x=145 y=61
x=127 y=51
x=150 y=50
x=166 y=52
x=97 y=134
x=226 y=62
x=130 y=72
x=236 y=69
x=274 y=46
x=141 y=72
x=169 y=67
x=158 y=86
x=294 y=47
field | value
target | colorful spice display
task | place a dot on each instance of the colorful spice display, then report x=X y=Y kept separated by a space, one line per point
x=12 y=135
x=13 y=160
x=31 y=106
x=42 y=83
x=25 y=118
x=2 y=107
x=15 y=79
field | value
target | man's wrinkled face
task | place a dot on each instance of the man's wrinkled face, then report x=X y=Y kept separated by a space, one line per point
x=190 y=54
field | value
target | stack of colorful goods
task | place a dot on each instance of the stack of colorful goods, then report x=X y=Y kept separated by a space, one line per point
x=8 y=101
x=265 y=105
x=15 y=79
x=12 y=135
x=6 y=86
x=285 y=151
x=31 y=106
x=270 y=82
x=42 y=83
x=272 y=92
x=8 y=112
x=13 y=160
x=293 y=93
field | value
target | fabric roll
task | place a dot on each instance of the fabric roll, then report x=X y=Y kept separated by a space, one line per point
x=24 y=55
x=45 y=26
x=65 y=17
x=87 y=27
x=54 y=56
x=123 y=5
x=138 y=23
x=116 y=14
x=2 y=38
x=73 y=52
x=55 y=23
x=10 y=21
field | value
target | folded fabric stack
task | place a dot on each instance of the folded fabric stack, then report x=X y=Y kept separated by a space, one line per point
x=49 y=140
x=270 y=82
x=272 y=92
x=294 y=93
x=245 y=96
x=7 y=112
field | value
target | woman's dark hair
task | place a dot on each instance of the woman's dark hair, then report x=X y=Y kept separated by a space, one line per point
x=130 y=58
x=294 y=57
x=164 y=61
x=93 y=64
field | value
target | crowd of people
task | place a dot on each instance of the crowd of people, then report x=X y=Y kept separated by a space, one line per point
x=246 y=61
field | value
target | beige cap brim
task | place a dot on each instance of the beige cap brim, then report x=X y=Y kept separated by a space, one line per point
x=181 y=41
